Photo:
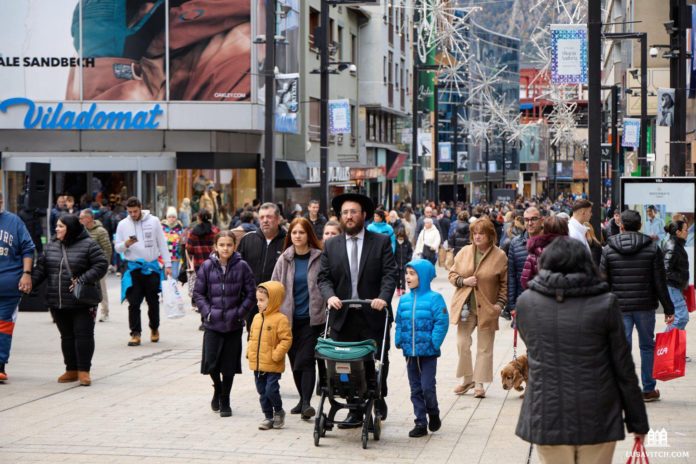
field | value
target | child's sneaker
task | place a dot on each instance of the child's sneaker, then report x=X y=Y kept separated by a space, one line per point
x=279 y=419
x=267 y=424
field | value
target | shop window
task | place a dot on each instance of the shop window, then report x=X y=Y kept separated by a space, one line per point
x=158 y=191
x=313 y=24
x=314 y=119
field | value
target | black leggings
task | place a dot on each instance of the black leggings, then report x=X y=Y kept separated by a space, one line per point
x=224 y=385
x=76 y=327
x=304 y=382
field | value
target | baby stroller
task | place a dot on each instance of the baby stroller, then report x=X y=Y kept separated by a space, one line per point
x=351 y=373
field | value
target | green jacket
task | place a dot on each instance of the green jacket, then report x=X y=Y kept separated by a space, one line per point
x=101 y=236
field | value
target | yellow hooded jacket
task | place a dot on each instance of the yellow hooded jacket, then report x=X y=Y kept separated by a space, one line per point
x=270 y=335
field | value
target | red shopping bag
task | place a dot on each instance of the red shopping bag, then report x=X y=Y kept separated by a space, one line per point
x=670 y=354
x=690 y=298
x=638 y=455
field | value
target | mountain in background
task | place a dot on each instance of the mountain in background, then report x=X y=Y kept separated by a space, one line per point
x=515 y=18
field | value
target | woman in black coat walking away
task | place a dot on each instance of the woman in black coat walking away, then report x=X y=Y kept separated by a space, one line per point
x=72 y=258
x=677 y=270
x=404 y=254
x=582 y=382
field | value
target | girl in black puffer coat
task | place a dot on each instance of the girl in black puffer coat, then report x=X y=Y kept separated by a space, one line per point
x=404 y=254
x=581 y=373
x=677 y=270
x=75 y=320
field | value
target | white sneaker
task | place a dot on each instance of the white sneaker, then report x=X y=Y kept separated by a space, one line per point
x=104 y=318
x=267 y=424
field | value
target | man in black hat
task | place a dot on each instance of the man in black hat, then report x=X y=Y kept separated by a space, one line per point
x=359 y=264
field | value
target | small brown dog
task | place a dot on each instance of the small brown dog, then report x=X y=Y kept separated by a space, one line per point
x=515 y=373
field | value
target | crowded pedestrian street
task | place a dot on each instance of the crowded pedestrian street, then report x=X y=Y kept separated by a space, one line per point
x=149 y=404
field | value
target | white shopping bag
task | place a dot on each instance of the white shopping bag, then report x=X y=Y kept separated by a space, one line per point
x=172 y=299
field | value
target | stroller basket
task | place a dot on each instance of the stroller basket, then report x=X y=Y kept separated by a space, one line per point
x=332 y=350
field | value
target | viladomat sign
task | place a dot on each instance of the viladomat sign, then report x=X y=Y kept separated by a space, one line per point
x=55 y=117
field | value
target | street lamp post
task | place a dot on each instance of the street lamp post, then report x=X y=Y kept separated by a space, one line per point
x=503 y=186
x=455 y=151
x=268 y=171
x=324 y=110
x=488 y=181
x=642 y=37
x=681 y=20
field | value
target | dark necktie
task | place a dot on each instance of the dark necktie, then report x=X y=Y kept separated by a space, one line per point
x=354 y=265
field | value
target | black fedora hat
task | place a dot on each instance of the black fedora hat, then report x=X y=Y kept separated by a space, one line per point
x=364 y=201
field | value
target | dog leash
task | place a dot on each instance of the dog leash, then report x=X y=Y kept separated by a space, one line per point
x=514 y=358
x=514 y=337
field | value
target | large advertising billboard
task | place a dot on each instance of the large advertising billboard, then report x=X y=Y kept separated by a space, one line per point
x=125 y=50
x=659 y=200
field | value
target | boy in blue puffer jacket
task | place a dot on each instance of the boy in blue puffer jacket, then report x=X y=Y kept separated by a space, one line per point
x=421 y=326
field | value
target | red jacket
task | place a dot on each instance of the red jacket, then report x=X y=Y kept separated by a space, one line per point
x=535 y=246
x=200 y=243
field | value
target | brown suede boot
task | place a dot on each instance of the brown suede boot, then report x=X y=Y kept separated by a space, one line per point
x=69 y=376
x=85 y=379
x=154 y=335
x=134 y=340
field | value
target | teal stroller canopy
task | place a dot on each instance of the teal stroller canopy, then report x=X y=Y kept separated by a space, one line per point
x=344 y=351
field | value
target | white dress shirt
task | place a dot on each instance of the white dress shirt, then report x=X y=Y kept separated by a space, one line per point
x=349 y=245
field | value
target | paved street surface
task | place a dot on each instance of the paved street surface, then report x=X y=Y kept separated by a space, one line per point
x=150 y=404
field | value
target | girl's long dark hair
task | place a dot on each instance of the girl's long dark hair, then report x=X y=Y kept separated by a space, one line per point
x=566 y=255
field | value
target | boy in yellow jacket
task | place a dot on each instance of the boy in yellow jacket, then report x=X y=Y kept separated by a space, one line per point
x=270 y=338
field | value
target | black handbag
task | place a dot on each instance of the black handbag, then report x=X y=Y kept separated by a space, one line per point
x=428 y=253
x=85 y=293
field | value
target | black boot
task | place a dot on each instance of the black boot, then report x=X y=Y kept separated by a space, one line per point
x=307 y=411
x=297 y=409
x=215 y=402
x=225 y=409
x=418 y=431
x=434 y=422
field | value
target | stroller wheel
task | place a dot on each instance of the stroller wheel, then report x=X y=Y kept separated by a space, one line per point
x=377 y=428
x=322 y=425
x=316 y=437
x=365 y=431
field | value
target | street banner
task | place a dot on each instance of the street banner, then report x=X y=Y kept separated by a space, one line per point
x=339 y=117
x=120 y=50
x=530 y=141
x=463 y=160
x=568 y=54
x=665 y=107
x=287 y=104
x=425 y=144
x=658 y=200
x=445 y=149
x=631 y=133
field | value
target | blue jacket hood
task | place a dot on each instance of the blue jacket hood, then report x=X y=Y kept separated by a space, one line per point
x=426 y=274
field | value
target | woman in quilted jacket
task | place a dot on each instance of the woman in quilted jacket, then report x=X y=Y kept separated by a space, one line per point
x=421 y=326
x=554 y=226
x=72 y=257
x=224 y=293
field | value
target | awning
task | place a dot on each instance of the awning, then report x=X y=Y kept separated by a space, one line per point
x=395 y=160
x=207 y=160
x=290 y=174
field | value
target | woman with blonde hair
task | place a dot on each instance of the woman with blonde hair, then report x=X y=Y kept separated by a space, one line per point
x=479 y=273
x=595 y=245
x=297 y=269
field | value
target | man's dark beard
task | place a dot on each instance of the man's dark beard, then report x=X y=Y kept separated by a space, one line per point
x=359 y=224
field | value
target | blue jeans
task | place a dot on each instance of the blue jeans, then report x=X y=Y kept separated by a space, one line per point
x=269 y=392
x=681 y=313
x=175 y=268
x=8 y=316
x=421 y=377
x=644 y=322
